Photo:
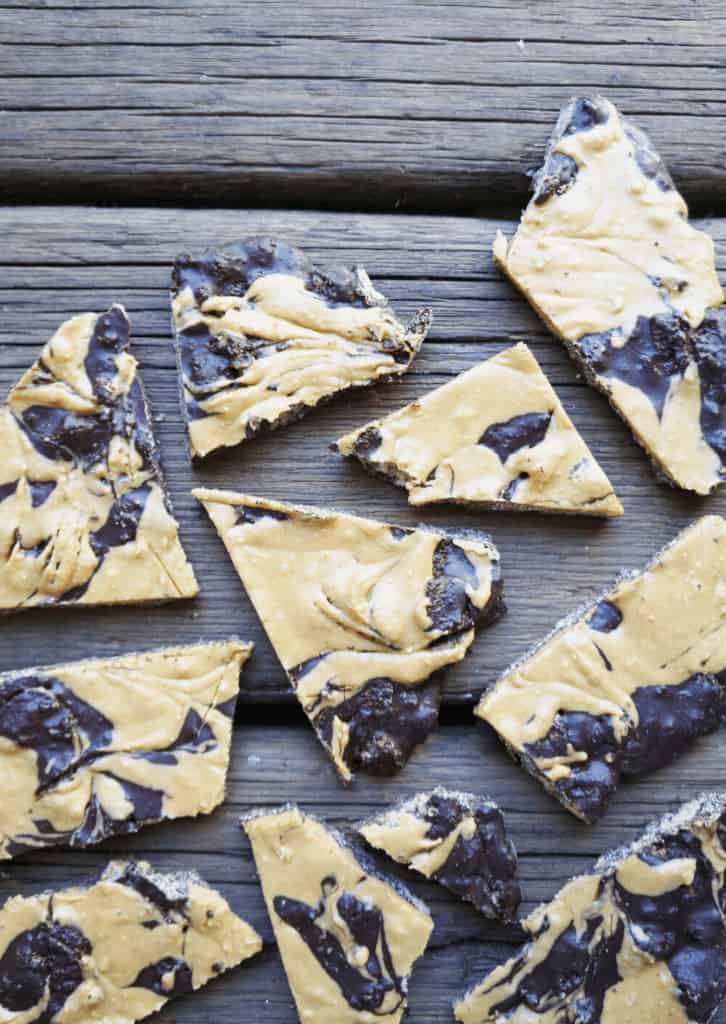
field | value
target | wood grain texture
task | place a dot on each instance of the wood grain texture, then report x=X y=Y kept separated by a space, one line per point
x=271 y=765
x=413 y=105
x=61 y=261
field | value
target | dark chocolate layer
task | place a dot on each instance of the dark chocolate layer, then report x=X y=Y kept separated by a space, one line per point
x=91 y=744
x=524 y=431
x=480 y=869
x=559 y=171
x=363 y=988
x=210 y=362
x=387 y=721
x=670 y=719
x=615 y=940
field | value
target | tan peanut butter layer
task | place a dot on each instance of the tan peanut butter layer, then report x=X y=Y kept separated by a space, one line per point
x=456 y=839
x=625 y=686
x=641 y=940
x=496 y=436
x=101 y=748
x=263 y=336
x=606 y=256
x=116 y=950
x=84 y=517
x=348 y=939
x=360 y=614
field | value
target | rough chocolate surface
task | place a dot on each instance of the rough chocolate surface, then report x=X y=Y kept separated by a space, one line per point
x=360 y=614
x=84 y=517
x=631 y=288
x=456 y=839
x=263 y=336
x=626 y=686
x=101 y=748
x=116 y=949
x=496 y=436
x=641 y=939
x=348 y=938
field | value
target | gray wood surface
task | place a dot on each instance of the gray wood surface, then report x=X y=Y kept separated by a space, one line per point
x=413 y=106
x=62 y=261
x=417 y=104
x=58 y=261
x=272 y=764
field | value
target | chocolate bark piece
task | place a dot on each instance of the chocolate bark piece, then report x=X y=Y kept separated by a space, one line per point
x=263 y=336
x=606 y=256
x=624 y=686
x=456 y=839
x=116 y=949
x=360 y=614
x=496 y=436
x=102 y=748
x=84 y=516
x=642 y=939
x=348 y=937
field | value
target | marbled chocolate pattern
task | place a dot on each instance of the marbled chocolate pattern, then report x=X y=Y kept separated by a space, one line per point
x=360 y=614
x=606 y=255
x=117 y=948
x=456 y=839
x=101 y=748
x=626 y=686
x=84 y=517
x=496 y=436
x=263 y=336
x=348 y=938
x=641 y=940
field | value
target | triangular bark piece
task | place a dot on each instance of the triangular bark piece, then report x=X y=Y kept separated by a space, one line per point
x=117 y=948
x=102 y=748
x=496 y=436
x=360 y=614
x=626 y=685
x=348 y=937
x=606 y=256
x=627 y=943
x=456 y=839
x=84 y=516
x=263 y=336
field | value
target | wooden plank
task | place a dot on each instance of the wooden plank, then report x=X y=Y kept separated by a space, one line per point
x=59 y=261
x=272 y=764
x=414 y=105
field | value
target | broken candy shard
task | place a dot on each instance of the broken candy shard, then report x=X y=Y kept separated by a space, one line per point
x=360 y=614
x=495 y=436
x=606 y=256
x=101 y=748
x=641 y=940
x=263 y=336
x=456 y=839
x=624 y=687
x=117 y=949
x=84 y=517
x=348 y=938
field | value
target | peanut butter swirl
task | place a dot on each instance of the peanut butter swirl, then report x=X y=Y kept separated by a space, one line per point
x=263 y=336
x=101 y=748
x=495 y=436
x=625 y=686
x=84 y=517
x=606 y=256
x=116 y=950
x=348 y=938
x=642 y=939
x=456 y=839
x=360 y=614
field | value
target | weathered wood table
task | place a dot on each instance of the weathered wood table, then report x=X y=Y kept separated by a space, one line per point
x=412 y=125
